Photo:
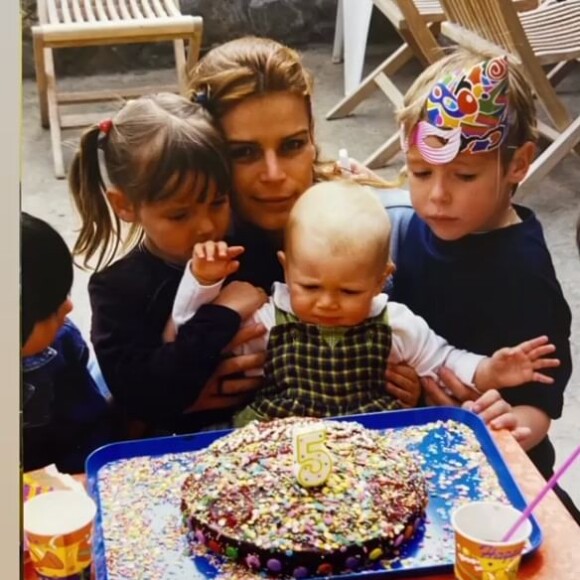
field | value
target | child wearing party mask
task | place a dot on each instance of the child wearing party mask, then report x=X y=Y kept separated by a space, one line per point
x=474 y=264
x=332 y=330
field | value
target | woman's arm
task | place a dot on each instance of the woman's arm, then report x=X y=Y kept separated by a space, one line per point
x=226 y=388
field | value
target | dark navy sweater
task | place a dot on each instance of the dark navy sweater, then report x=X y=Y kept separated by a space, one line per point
x=131 y=303
x=486 y=291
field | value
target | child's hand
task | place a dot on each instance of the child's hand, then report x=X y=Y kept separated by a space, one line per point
x=242 y=297
x=509 y=367
x=214 y=261
x=498 y=414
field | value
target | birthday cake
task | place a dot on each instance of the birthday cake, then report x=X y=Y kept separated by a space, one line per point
x=251 y=499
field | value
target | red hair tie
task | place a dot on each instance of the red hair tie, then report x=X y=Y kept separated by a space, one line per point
x=105 y=126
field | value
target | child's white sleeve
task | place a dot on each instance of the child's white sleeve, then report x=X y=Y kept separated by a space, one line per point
x=191 y=295
x=415 y=344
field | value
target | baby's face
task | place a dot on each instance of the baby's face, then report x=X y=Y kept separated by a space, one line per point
x=329 y=289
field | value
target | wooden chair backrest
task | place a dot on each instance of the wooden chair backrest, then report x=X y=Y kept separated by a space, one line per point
x=95 y=11
x=496 y=21
x=405 y=16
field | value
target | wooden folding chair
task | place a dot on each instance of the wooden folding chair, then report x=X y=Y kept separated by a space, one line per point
x=548 y=35
x=418 y=23
x=551 y=156
x=76 y=23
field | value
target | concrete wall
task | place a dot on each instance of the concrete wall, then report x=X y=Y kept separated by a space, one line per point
x=296 y=22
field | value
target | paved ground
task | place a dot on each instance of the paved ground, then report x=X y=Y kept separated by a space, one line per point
x=556 y=202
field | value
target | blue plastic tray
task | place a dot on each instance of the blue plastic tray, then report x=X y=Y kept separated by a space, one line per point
x=432 y=551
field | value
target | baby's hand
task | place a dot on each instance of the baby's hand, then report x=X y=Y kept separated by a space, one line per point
x=214 y=261
x=242 y=297
x=509 y=367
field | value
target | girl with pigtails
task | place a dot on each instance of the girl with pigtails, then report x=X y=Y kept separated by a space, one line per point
x=154 y=180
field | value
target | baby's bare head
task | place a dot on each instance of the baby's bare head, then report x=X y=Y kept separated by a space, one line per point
x=341 y=218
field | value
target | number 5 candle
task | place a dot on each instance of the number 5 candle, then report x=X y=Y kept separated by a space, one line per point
x=312 y=460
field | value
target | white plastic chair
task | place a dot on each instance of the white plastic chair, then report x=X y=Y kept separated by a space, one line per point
x=353 y=18
x=416 y=30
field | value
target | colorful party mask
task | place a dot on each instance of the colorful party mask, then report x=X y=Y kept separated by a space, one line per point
x=467 y=111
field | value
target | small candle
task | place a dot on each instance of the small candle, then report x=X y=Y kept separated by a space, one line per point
x=312 y=459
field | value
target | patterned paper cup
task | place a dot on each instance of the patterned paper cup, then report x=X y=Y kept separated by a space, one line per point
x=58 y=527
x=479 y=552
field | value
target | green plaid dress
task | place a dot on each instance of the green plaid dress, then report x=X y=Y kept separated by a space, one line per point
x=320 y=372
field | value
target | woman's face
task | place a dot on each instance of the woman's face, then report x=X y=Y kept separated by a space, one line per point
x=272 y=154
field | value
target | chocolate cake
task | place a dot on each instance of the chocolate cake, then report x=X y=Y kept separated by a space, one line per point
x=243 y=500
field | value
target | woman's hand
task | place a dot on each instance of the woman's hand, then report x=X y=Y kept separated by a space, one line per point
x=228 y=388
x=221 y=392
x=357 y=171
x=436 y=396
x=493 y=410
x=404 y=384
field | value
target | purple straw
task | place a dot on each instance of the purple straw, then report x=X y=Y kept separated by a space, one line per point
x=551 y=483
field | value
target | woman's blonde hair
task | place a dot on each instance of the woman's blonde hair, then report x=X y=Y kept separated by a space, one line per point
x=253 y=66
x=149 y=149
x=522 y=111
x=248 y=67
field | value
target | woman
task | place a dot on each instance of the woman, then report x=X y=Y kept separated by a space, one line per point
x=260 y=95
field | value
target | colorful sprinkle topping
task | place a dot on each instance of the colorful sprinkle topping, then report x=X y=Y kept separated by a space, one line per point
x=144 y=535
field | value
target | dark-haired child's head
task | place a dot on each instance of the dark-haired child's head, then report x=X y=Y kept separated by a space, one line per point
x=46 y=276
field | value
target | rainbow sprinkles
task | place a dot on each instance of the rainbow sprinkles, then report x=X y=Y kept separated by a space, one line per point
x=140 y=532
x=243 y=500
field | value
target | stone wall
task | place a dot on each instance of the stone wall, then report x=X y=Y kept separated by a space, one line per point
x=296 y=22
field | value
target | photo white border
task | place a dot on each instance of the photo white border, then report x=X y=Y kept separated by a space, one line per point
x=10 y=143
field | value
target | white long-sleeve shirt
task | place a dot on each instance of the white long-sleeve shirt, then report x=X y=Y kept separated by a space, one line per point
x=413 y=342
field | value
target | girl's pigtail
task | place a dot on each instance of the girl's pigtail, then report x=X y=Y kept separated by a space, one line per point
x=100 y=229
